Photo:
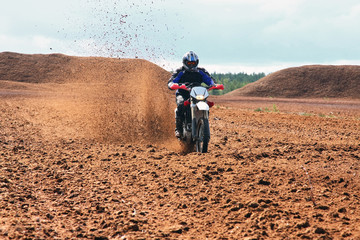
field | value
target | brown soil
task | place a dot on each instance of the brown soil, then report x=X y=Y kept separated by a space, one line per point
x=92 y=155
x=314 y=81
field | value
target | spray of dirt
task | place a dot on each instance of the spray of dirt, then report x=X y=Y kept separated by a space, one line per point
x=109 y=100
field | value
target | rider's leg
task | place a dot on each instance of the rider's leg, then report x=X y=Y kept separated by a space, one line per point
x=179 y=115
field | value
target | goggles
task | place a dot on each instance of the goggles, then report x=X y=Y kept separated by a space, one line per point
x=191 y=63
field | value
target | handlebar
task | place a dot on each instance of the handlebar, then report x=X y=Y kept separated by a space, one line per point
x=176 y=86
x=217 y=86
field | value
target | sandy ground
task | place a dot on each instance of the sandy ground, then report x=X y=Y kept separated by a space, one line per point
x=91 y=164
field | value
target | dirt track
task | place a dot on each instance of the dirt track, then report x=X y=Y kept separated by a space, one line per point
x=97 y=160
x=267 y=175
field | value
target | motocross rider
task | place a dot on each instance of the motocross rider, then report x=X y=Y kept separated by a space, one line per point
x=188 y=73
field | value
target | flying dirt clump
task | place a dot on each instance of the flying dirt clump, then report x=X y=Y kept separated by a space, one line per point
x=314 y=81
x=105 y=99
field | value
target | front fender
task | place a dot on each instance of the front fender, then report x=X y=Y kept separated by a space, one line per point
x=203 y=106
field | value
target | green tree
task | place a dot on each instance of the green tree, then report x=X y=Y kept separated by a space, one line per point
x=234 y=81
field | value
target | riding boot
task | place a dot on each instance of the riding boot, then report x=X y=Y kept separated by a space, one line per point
x=178 y=128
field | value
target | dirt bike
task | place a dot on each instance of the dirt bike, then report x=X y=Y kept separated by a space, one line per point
x=196 y=130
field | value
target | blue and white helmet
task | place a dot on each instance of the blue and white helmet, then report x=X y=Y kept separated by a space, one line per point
x=190 y=61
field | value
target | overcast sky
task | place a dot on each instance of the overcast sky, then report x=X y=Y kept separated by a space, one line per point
x=228 y=35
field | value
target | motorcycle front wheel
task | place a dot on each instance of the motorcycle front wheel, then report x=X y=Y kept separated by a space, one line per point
x=203 y=133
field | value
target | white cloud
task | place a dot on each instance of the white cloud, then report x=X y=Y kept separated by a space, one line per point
x=269 y=67
x=248 y=68
x=4 y=24
x=349 y=18
x=240 y=34
x=32 y=44
x=12 y=43
x=233 y=67
x=42 y=42
x=278 y=7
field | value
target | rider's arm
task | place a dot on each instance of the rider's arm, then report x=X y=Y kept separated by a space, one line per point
x=175 y=78
x=207 y=79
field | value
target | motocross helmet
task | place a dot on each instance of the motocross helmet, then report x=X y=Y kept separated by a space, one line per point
x=190 y=61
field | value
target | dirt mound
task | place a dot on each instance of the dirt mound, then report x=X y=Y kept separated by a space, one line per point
x=100 y=98
x=37 y=68
x=314 y=81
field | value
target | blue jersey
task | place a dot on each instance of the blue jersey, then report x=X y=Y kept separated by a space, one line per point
x=199 y=76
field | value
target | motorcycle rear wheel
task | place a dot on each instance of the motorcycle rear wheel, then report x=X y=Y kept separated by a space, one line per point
x=203 y=133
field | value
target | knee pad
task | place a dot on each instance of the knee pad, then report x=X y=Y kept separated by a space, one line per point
x=179 y=100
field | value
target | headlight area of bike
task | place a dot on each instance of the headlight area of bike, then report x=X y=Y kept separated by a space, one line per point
x=200 y=97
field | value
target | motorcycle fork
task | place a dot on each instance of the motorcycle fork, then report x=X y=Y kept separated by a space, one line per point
x=193 y=120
